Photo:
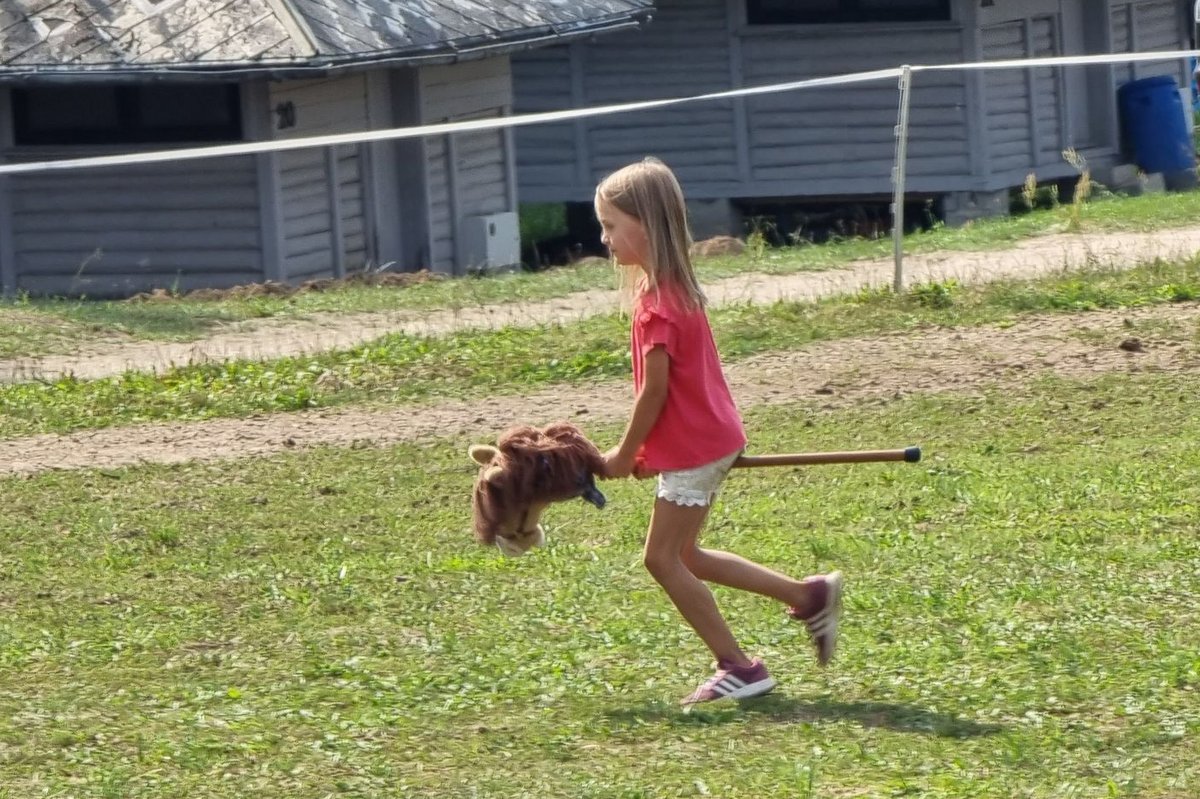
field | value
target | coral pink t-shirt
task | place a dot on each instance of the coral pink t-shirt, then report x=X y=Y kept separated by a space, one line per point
x=699 y=422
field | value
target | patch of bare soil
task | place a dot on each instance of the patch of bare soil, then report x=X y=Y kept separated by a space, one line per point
x=272 y=288
x=1035 y=257
x=825 y=375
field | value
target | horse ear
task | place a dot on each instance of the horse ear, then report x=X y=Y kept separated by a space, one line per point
x=482 y=453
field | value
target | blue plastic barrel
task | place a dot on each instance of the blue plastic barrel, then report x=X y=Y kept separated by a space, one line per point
x=1152 y=120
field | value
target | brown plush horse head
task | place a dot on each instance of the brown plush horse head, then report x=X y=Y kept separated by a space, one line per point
x=526 y=471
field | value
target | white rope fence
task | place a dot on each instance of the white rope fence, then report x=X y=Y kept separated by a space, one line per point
x=903 y=74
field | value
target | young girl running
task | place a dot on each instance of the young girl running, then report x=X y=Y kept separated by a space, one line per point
x=686 y=429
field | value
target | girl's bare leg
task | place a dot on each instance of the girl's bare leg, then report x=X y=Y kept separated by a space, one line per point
x=673 y=529
x=734 y=571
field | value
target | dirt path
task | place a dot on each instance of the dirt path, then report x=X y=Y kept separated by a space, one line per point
x=829 y=374
x=277 y=338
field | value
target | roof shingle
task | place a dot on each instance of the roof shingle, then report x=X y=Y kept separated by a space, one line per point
x=57 y=37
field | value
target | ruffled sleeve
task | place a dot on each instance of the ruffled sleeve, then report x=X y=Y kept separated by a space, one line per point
x=656 y=329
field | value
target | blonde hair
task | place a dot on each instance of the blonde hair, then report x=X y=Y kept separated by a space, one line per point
x=649 y=192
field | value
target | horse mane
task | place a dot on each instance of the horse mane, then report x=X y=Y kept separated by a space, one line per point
x=533 y=466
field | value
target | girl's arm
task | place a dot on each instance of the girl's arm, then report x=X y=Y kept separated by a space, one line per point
x=620 y=461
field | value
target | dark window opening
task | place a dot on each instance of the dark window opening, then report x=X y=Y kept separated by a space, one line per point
x=821 y=12
x=150 y=114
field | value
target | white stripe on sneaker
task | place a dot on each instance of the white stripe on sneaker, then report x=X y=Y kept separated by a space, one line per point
x=729 y=685
x=753 y=689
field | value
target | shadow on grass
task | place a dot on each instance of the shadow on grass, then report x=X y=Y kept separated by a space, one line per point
x=887 y=715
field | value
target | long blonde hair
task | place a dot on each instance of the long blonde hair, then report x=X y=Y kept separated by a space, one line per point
x=649 y=192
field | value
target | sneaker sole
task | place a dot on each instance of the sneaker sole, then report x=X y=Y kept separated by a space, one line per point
x=753 y=689
x=834 y=581
x=750 y=691
x=833 y=603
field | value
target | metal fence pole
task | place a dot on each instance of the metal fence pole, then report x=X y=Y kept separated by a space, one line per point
x=898 y=176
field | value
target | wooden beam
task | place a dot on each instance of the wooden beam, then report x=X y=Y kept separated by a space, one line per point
x=8 y=255
x=454 y=202
x=583 y=168
x=1031 y=96
x=734 y=12
x=1111 y=134
x=378 y=172
x=337 y=239
x=1131 y=18
x=1066 y=126
x=510 y=164
x=976 y=88
x=256 y=126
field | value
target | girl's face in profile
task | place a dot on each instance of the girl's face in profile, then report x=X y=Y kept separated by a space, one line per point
x=622 y=234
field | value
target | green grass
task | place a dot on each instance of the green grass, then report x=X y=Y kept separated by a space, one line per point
x=400 y=368
x=541 y=221
x=1022 y=619
x=30 y=327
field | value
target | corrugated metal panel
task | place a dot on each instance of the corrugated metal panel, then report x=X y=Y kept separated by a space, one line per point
x=114 y=232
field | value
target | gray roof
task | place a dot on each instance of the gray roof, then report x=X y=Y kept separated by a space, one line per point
x=47 y=38
x=346 y=27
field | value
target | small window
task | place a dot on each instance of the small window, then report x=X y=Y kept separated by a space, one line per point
x=150 y=114
x=820 y=12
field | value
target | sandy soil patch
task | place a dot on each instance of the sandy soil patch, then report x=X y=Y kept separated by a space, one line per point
x=824 y=375
x=276 y=338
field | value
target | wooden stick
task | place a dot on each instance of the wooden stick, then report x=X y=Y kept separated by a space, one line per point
x=909 y=455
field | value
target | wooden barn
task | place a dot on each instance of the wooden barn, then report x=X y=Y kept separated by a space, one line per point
x=93 y=77
x=974 y=135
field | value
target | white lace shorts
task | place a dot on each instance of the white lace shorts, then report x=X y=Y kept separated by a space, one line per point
x=696 y=486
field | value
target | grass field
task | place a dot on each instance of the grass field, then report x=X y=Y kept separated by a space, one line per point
x=1022 y=620
x=33 y=326
x=402 y=368
x=1022 y=611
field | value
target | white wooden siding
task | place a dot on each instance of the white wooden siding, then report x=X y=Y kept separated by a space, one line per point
x=115 y=232
x=477 y=181
x=1047 y=98
x=686 y=49
x=542 y=80
x=352 y=199
x=1025 y=108
x=442 y=238
x=836 y=140
x=847 y=133
x=1007 y=96
x=1147 y=26
x=325 y=106
x=805 y=142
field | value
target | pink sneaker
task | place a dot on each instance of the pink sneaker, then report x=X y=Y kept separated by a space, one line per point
x=734 y=682
x=823 y=625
